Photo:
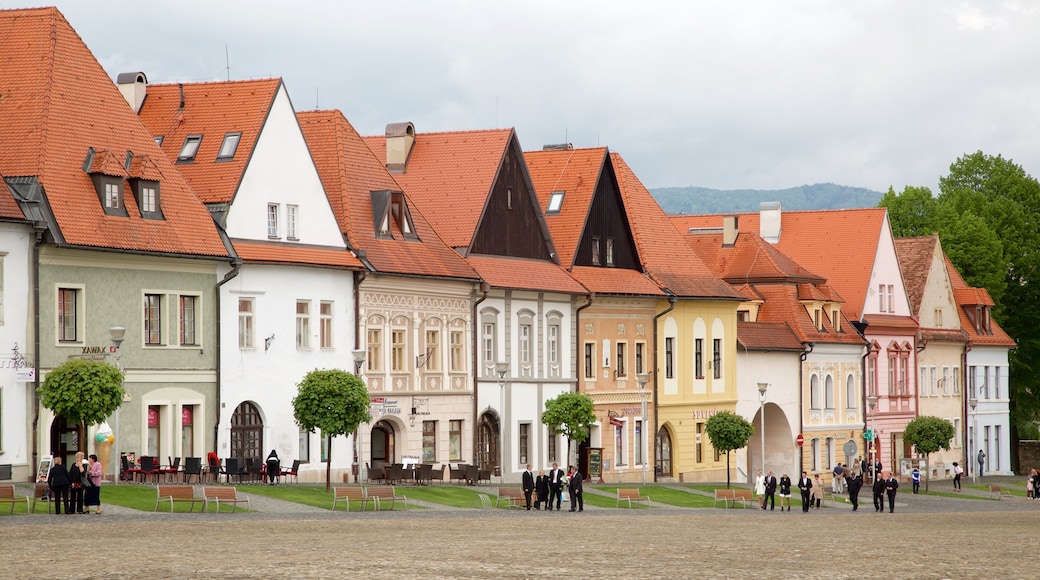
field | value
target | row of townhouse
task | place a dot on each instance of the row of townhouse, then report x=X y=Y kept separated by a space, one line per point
x=466 y=281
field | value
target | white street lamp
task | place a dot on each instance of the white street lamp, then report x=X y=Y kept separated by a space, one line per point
x=502 y=367
x=359 y=363
x=762 y=417
x=872 y=403
x=972 y=402
x=117 y=334
x=642 y=379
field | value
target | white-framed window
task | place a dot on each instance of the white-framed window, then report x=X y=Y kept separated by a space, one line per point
x=881 y=298
x=554 y=343
x=828 y=392
x=610 y=251
x=429 y=441
x=153 y=319
x=272 y=220
x=814 y=392
x=595 y=251
x=148 y=199
x=246 y=321
x=292 y=213
x=891 y=298
x=555 y=203
x=189 y=149
x=716 y=358
x=956 y=380
x=458 y=351
x=525 y=349
x=956 y=432
x=303 y=324
x=229 y=146
x=188 y=318
x=374 y=357
x=524 y=444
x=112 y=195
x=325 y=312
x=923 y=380
x=850 y=391
x=698 y=358
x=932 y=382
x=829 y=454
x=619 y=445
x=489 y=342
x=433 y=349
x=397 y=346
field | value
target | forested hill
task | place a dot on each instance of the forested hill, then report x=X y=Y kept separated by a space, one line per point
x=698 y=200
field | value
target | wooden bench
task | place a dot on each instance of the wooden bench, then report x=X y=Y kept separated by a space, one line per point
x=176 y=494
x=996 y=492
x=380 y=493
x=631 y=495
x=513 y=496
x=8 y=496
x=728 y=496
x=347 y=493
x=222 y=494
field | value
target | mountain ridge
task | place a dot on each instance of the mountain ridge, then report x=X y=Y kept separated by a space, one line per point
x=692 y=200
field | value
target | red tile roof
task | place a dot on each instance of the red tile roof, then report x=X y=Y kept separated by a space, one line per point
x=767 y=336
x=750 y=259
x=253 y=252
x=211 y=110
x=915 y=263
x=615 y=281
x=56 y=102
x=840 y=245
x=968 y=297
x=350 y=171
x=450 y=175
x=524 y=274
x=782 y=304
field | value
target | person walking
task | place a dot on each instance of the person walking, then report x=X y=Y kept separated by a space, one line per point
x=817 y=495
x=890 y=488
x=879 y=493
x=528 y=486
x=785 y=492
x=855 y=483
x=805 y=486
x=770 y=497
x=760 y=489
x=555 y=487
x=838 y=479
x=58 y=481
x=274 y=467
x=92 y=495
x=577 y=499
x=982 y=461
x=957 y=472
x=541 y=490
x=77 y=482
x=915 y=478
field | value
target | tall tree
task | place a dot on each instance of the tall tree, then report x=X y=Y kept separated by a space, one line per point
x=728 y=431
x=84 y=391
x=912 y=212
x=570 y=414
x=928 y=435
x=334 y=402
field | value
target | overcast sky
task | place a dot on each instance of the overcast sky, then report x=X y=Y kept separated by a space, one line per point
x=725 y=94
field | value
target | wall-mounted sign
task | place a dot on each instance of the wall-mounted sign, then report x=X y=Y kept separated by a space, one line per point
x=186 y=416
x=705 y=413
x=153 y=417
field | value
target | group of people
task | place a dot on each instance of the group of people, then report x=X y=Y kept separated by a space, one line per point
x=549 y=488
x=811 y=489
x=78 y=487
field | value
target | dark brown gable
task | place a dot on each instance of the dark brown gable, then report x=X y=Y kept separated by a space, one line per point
x=606 y=240
x=512 y=224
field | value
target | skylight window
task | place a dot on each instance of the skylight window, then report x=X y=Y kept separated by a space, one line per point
x=190 y=149
x=229 y=146
x=159 y=139
x=555 y=202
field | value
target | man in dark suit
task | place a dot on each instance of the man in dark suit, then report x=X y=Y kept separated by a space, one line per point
x=577 y=500
x=541 y=490
x=770 y=491
x=879 y=493
x=854 y=482
x=528 y=485
x=555 y=487
x=805 y=486
x=58 y=481
x=890 y=488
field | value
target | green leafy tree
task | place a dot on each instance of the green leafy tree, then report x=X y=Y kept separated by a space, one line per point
x=333 y=401
x=928 y=434
x=912 y=212
x=728 y=431
x=570 y=414
x=83 y=391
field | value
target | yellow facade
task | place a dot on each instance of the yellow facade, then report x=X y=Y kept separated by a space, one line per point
x=832 y=414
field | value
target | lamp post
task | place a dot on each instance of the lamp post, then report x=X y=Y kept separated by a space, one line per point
x=502 y=367
x=972 y=402
x=642 y=379
x=762 y=419
x=872 y=403
x=359 y=363
x=117 y=334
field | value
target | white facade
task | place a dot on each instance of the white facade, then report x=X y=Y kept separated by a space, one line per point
x=16 y=393
x=779 y=370
x=990 y=427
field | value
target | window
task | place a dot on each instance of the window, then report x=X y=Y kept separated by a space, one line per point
x=305 y=447
x=188 y=306
x=698 y=358
x=891 y=299
x=872 y=374
x=621 y=369
x=303 y=324
x=700 y=443
x=68 y=315
x=152 y=443
x=554 y=348
x=639 y=442
x=272 y=220
x=374 y=357
x=555 y=202
x=892 y=375
x=881 y=298
x=610 y=251
x=325 y=312
x=743 y=316
x=619 y=446
x=814 y=392
x=509 y=198
x=904 y=383
x=816 y=320
x=956 y=433
x=455 y=439
x=716 y=358
x=669 y=357
x=487 y=342
x=148 y=199
x=112 y=199
x=923 y=380
x=828 y=392
x=429 y=441
x=189 y=149
x=640 y=347
x=291 y=216
x=956 y=380
x=590 y=360
x=524 y=447
x=159 y=140
x=152 y=319
x=552 y=445
x=433 y=350
x=828 y=457
x=836 y=320
x=229 y=146
x=938 y=318
x=245 y=323
x=814 y=455
x=458 y=352
x=525 y=345
x=932 y=383
x=595 y=251
x=397 y=351
x=850 y=391
x=972 y=380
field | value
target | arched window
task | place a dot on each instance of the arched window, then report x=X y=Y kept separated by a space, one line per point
x=828 y=457
x=814 y=455
x=850 y=391
x=828 y=392
x=247 y=432
x=814 y=392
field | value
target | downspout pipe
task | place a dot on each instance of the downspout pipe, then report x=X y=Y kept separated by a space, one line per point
x=236 y=267
x=39 y=229
x=861 y=327
x=671 y=306
x=484 y=288
x=578 y=358
x=807 y=348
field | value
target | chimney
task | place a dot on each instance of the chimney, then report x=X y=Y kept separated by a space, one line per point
x=769 y=221
x=729 y=230
x=133 y=88
x=399 y=140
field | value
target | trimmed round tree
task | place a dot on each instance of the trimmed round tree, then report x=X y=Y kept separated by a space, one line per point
x=728 y=431
x=570 y=414
x=333 y=401
x=928 y=434
x=82 y=391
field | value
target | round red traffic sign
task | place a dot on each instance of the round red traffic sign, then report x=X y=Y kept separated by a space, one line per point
x=799 y=439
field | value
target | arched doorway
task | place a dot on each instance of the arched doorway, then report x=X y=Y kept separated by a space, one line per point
x=782 y=455
x=663 y=453
x=488 y=436
x=65 y=439
x=247 y=432
x=382 y=443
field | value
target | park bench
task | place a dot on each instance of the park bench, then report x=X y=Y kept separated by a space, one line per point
x=8 y=496
x=222 y=494
x=996 y=492
x=630 y=495
x=513 y=496
x=381 y=493
x=347 y=493
x=727 y=496
x=176 y=494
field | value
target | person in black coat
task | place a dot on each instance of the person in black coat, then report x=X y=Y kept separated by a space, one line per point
x=77 y=478
x=58 y=481
x=556 y=483
x=771 y=492
x=274 y=466
x=805 y=486
x=854 y=483
x=541 y=490
x=879 y=493
x=528 y=485
x=785 y=492
x=577 y=499
x=891 y=485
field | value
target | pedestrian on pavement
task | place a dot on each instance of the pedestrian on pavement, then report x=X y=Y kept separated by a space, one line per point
x=1030 y=484
x=760 y=489
x=1036 y=484
x=528 y=486
x=556 y=484
x=541 y=490
x=58 y=481
x=957 y=471
x=770 y=491
x=838 y=479
x=77 y=480
x=785 y=492
x=863 y=466
x=817 y=496
x=890 y=488
x=805 y=486
x=92 y=496
x=982 y=461
x=855 y=483
x=879 y=493
x=577 y=499
x=274 y=467
x=915 y=477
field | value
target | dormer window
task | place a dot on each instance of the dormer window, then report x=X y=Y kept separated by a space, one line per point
x=229 y=146
x=555 y=202
x=113 y=196
x=836 y=320
x=110 y=193
x=189 y=149
x=390 y=215
x=146 y=192
x=610 y=251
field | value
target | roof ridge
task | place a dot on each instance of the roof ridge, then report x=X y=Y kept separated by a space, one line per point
x=461 y=132
x=224 y=82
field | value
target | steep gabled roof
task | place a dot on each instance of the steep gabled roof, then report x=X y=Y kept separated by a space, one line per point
x=450 y=175
x=350 y=172
x=839 y=244
x=968 y=297
x=767 y=336
x=750 y=259
x=210 y=110
x=915 y=263
x=524 y=274
x=782 y=304
x=56 y=103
